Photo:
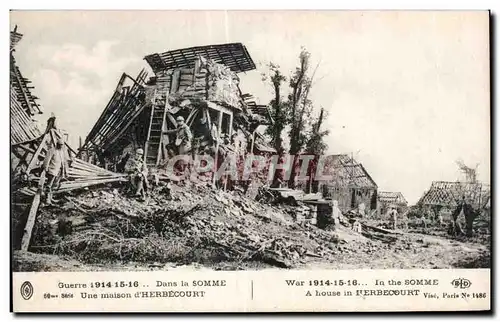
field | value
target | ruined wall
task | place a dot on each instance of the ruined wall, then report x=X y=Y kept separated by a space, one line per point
x=350 y=198
x=383 y=206
x=223 y=85
x=339 y=193
x=208 y=80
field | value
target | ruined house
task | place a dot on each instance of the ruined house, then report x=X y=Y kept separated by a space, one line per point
x=443 y=195
x=29 y=146
x=199 y=83
x=351 y=184
x=387 y=199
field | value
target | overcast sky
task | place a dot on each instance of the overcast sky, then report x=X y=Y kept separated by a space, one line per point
x=407 y=93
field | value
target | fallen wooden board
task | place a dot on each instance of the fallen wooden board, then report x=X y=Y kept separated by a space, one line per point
x=82 y=165
x=381 y=230
x=78 y=185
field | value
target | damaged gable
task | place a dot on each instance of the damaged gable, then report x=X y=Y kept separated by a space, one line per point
x=348 y=172
x=206 y=80
x=351 y=185
x=391 y=197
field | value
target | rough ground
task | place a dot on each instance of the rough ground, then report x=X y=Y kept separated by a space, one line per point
x=202 y=228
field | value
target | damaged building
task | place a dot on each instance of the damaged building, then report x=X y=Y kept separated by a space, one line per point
x=351 y=184
x=201 y=84
x=445 y=196
x=389 y=199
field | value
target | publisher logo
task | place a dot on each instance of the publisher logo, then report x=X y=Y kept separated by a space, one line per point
x=461 y=283
x=26 y=290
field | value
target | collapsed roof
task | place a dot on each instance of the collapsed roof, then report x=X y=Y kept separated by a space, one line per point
x=122 y=109
x=348 y=172
x=233 y=55
x=391 y=197
x=23 y=103
x=447 y=194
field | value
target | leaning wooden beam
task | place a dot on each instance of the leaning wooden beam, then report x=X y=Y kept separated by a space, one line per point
x=81 y=178
x=27 y=191
x=32 y=214
x=109 y=124
x=115 y=123
x=108 y=110
x=128 y=109
x=126 y=126
x=41 y=146
x=164 y=140
x=79 y=166
x=106 y=129
x=191 y=116
x=146 y=145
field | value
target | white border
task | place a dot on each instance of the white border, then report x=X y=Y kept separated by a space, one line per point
x=186 y=4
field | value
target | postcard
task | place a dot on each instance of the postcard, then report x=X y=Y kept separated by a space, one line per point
x=250 y=161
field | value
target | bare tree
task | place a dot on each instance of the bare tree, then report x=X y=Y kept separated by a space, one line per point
x=470 y=173
x=278 y=107
x=295 y=112
x=316 y=146
x=300 y=109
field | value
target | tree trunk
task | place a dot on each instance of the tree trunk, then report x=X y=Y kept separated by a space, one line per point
x=293 y=173
x=470 y=215
x=278 y=112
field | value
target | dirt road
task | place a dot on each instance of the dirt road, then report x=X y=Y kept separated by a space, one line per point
x=411 y=250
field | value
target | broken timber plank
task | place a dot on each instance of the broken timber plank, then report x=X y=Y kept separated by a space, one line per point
x=26 y=149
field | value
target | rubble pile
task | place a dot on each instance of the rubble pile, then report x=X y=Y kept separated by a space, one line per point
x=197 y=224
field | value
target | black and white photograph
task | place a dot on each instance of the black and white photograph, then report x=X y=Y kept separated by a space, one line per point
x=199 y=141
